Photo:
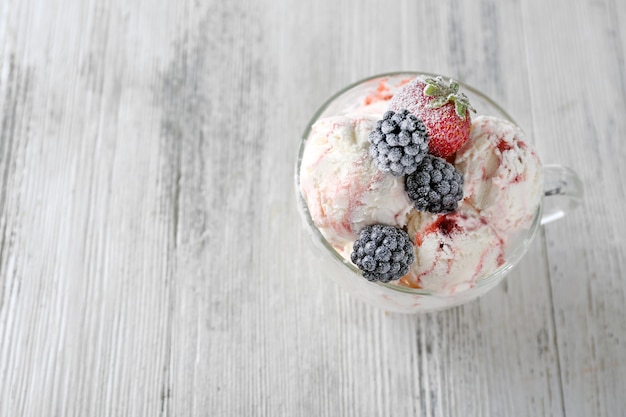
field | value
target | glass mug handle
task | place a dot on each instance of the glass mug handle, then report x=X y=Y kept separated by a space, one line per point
x=563 y=192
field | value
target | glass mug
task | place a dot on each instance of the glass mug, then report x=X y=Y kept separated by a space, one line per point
x=563 y=191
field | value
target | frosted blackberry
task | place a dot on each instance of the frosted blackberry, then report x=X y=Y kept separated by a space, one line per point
x=398 y=142
x=436 y=186
x=383 y=253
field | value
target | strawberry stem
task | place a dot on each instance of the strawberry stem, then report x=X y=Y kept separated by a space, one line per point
x=447 y=92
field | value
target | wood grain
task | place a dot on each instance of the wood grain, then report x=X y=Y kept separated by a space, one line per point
x=586 y=267
x=152 y=260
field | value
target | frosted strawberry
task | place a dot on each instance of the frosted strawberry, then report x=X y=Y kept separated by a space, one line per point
x=443 y=110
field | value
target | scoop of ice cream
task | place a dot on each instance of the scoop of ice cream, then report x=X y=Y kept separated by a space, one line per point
x=502 y=174
x=343 y=188
x=452 y=251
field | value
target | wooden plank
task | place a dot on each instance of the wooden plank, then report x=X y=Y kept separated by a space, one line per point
x=579 y=112
x=88 y=254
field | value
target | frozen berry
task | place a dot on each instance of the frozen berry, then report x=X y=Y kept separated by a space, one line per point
x=398 y=143
x=436 y=186
x=443 y=110
x=383 y=253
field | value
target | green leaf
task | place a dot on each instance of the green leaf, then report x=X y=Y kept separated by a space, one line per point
x=465 y=101
x=432 y=90
x=438 y=102
x=461 y=109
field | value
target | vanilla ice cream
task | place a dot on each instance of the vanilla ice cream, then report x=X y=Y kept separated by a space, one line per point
x=342 y=186
x=452 y=251
x=503 y=175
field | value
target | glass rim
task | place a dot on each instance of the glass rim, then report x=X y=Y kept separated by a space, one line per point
x=336 y=256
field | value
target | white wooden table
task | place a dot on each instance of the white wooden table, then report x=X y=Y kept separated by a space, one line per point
x=152 y=261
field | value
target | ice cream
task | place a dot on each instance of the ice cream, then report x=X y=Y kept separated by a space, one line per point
x=342 y=186
x=503 y=176
x=452 y=250
x=346 y=188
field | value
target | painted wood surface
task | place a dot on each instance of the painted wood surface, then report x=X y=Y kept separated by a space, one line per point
x=152 y=261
